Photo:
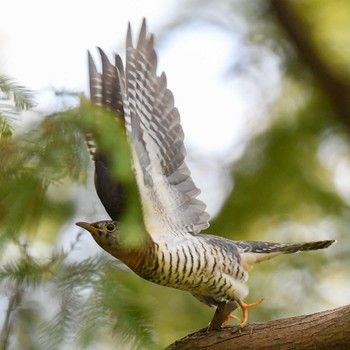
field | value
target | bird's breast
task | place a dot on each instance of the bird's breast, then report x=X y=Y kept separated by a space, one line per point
x=192 y=265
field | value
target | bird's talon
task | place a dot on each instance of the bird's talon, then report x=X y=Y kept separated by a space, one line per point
x=228 y=317
x=234 y=317
x=236 y=330
x=245 y=308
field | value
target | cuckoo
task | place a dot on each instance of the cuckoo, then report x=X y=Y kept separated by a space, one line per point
x=175 y=253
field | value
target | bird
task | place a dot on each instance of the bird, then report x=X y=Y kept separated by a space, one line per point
x=174 y=252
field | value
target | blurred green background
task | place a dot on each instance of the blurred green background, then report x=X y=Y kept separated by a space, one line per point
x=286 y=178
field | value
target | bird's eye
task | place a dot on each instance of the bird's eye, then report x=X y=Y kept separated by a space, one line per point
x=110 y=227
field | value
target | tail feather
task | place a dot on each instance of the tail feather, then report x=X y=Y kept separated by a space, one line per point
x=281 y=248
x=256 y=252
x=289 y=248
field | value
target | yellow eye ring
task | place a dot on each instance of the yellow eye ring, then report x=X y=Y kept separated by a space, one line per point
x=110 y=227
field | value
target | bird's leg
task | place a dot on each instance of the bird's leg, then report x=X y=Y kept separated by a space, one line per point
x=222 y=314
x=245 y=308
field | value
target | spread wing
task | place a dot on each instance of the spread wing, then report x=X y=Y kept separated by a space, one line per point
x=105 y=90
x=167 y=190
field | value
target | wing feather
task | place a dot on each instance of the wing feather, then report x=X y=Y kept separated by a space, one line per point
x=106 y=90
x=167 y=190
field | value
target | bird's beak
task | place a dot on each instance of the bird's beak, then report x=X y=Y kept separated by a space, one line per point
x=87 y=226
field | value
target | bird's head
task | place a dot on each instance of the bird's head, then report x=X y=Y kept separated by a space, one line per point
x=105 y=233
x=109 y=237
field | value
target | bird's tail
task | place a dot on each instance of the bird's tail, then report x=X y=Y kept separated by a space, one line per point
x=256 y=252
x=288 y=248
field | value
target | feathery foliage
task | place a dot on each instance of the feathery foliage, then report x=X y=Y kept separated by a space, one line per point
x=55 y=300
x=14 y=98
x=11 y=91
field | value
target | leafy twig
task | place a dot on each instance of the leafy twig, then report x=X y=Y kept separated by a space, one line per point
x=22 y=97
x=14 y=301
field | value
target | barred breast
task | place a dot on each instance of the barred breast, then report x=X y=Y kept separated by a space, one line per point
x=200 y=265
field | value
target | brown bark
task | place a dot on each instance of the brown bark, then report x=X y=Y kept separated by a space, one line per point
x=323 y=330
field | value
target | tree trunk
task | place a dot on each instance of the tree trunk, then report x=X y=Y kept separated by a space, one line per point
x=323 y=330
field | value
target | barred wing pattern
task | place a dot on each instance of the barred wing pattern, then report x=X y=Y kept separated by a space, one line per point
x=106 y=87
x=167 y=190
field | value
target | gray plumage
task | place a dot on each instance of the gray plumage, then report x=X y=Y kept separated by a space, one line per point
x=167 y=190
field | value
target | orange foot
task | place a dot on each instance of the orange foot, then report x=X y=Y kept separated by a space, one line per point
x=245 y=308
x=228 y=317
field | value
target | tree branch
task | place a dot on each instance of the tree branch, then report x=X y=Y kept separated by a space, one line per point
x=323 y=330
x=337 y=89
